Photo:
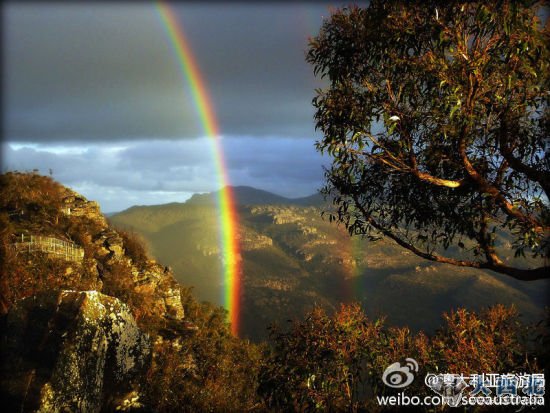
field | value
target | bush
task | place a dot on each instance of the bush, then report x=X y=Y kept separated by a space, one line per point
x=336 y=363
x=209 y=371
x=33 y=202
x=133 y=247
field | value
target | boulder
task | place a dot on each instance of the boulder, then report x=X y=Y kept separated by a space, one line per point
x=70 y=351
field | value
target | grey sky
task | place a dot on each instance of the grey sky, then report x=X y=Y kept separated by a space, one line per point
x=94 y=92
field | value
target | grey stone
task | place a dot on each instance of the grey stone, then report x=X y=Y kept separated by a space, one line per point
x=70 y=351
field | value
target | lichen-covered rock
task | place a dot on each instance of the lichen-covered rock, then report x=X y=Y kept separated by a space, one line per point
x=72 y=351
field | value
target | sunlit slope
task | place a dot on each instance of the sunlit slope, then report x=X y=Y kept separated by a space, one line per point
x=293 y=259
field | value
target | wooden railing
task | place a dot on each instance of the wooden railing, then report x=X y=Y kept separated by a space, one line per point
x=62 y=249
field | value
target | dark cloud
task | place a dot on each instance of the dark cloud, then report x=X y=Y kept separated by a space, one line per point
x=94 y=92
x=107 y=71
x=263 y=84
x=90 y=72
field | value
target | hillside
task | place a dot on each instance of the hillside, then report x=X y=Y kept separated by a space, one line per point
x=293 y=259
x=88 y=322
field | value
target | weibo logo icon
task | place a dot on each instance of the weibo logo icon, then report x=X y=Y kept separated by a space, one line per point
x=399 y=376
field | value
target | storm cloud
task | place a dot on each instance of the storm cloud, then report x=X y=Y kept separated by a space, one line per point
x=99 y=84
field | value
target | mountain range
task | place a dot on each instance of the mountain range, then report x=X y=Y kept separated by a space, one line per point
x=293 y=259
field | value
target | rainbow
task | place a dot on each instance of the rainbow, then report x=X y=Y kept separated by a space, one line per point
x=227 y=213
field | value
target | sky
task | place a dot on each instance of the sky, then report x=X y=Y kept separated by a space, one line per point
x=93 y=95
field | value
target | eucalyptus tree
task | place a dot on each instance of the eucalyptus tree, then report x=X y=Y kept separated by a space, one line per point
x=436 y=118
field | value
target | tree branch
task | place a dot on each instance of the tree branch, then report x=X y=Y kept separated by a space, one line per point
x=402 y=167
x=541 y=177
x=484 y=242
x=437 y=181
x=490 y=189
x=539 y=273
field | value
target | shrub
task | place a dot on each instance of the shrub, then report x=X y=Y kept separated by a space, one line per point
x=134 y=247
x=209 y=371
x=336 y=363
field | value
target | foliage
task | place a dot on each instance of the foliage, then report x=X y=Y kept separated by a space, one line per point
x=436 y=117
x=30 y=200
x=209 y=371
x=33 y=204
x=323 y=363
x=320 y=363
x=134 y=247
x=490 y=341
x=203 y=370
x=118 y=282
x=336 y=363
x=27 y=274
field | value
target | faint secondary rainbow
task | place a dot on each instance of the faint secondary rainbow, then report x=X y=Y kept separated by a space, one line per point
x=227 y=214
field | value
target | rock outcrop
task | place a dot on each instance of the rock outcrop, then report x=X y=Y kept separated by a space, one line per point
x=148 y=278
x=250 y=241
x=78 y=335
x=70 y=351
x=78 y=206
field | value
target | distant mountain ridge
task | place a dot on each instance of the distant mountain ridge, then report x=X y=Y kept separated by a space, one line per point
x=247 y=195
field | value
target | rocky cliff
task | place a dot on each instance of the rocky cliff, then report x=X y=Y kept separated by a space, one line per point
x=78 y=334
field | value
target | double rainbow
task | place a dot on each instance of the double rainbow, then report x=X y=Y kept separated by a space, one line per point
x=226 y=207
